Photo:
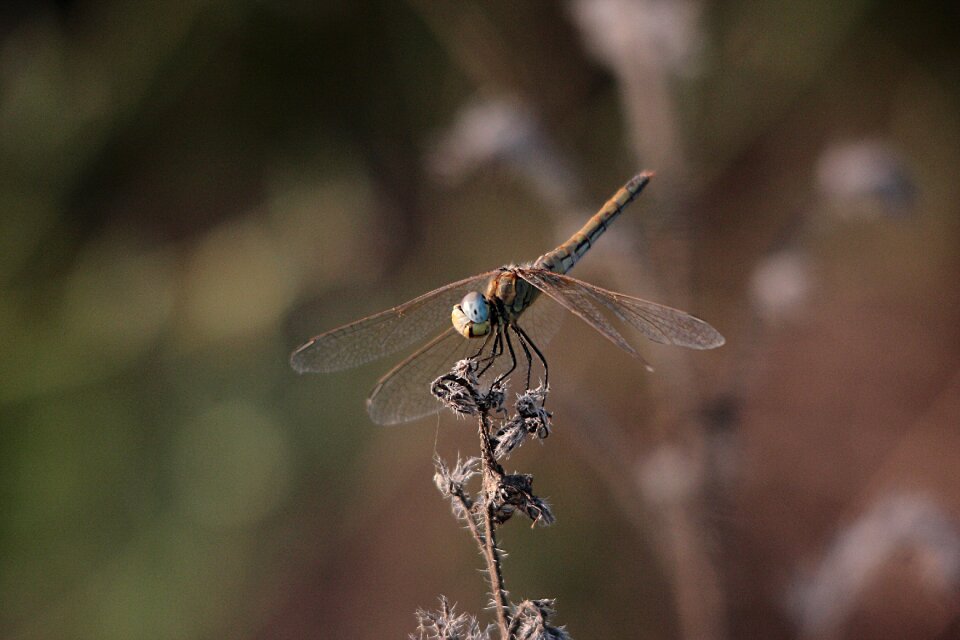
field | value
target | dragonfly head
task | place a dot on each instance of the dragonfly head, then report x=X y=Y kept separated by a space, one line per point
x=471 y=318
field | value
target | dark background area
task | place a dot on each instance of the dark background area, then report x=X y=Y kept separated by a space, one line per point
x=189 y=190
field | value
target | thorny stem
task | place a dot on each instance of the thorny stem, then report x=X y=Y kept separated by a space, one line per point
x=467 y=506
x=491 y=475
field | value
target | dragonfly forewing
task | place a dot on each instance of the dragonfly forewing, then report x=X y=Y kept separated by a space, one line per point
x=384 y=333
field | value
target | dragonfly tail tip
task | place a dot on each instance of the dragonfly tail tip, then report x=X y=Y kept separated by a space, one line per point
x=638 y=182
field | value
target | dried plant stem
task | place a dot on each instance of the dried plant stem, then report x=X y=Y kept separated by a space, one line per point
x=498 y=498
x=491 y=476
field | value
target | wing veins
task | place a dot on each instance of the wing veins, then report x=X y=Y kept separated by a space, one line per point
x=347 y=346
x=378 y=410
x=657 y=322
x=553 y=286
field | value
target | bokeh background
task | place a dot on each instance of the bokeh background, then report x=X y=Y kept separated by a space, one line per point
x=190 y=189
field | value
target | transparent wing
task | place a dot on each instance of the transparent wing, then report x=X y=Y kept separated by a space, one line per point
x=578 y=301
x=403 y=394
x=655 y=321
x=542 y=320
x=384 y=333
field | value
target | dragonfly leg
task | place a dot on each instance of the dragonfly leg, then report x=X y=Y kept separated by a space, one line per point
x=494 y=353
x=526 y=338
x=483 y=346
x=513 y=360
x=522 y=339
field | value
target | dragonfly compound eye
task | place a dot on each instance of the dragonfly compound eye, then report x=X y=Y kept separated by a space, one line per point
x=471 y=318
x=475 y=307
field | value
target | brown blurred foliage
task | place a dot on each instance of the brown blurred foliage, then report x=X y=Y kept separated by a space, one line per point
x=190 y=189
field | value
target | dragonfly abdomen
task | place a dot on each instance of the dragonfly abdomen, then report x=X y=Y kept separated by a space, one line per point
x=562 y=259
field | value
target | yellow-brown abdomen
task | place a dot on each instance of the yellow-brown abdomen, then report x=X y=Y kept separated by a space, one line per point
x=562 y=259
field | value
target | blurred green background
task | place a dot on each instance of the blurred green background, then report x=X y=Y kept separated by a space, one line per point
x=189 y=189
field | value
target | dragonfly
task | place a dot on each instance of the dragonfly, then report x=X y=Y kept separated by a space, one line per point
x=511 y=306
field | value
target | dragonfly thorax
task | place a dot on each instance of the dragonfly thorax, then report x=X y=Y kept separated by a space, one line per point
x=510 y=293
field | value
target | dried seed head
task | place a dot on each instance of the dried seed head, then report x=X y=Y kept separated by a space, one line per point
x=453 y=481
x=492 y=399
x=531 y=419
x=446 y=624
x=460 y=390
x=530 y=409
x=515 y=492
x=508 y=437
x=452 y=484
x=467 y=369
x=456 y=393
x=530 y=621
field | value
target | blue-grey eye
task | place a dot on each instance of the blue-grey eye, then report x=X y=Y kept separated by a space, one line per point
x=475 y=307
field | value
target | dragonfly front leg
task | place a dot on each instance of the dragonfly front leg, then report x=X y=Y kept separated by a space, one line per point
x=483 y=346
x=495 y=353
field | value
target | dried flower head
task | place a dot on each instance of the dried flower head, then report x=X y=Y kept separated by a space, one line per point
x=445 y=624
x=508 y=437
x=492 y=399
x=515 y=492
x=530 y=622
x=452 y=483
x=531 y=419
x=460 y=390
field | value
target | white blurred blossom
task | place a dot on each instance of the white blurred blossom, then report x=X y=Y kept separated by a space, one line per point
x=865 y=178
x=505 y=131
x=647 y=45
x=667 y=476
x=825 y=597
x=780 y=284
x=662 y=33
